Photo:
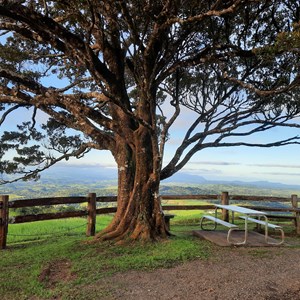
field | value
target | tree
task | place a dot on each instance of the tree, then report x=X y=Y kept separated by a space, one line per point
x=112 y=71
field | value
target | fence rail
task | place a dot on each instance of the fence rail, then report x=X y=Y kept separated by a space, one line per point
x=92 y=210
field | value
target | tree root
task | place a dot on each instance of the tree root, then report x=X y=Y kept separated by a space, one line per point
x=139 y=233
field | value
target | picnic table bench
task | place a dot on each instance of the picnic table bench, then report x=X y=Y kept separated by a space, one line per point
x=267 y=225
x=167 y=218
x=248 y=215
x=221 y=222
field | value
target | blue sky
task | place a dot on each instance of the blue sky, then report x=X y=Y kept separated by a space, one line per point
x=279 y=164
x=276 y=165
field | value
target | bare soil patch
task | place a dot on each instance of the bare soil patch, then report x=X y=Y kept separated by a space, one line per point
x=56 y=272
x=231 y=273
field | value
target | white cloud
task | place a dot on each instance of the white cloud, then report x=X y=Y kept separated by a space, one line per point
x=280 y=173
x=215 y=163
x=202 y=171
x=275 y=166
x=85 y=165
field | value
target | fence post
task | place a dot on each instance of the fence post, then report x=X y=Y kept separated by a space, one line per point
x=297 y=214
x=3 y=220
x=91 y=219
x=225 y=201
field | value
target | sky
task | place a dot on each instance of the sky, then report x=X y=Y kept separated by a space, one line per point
x=245 y=164
x=278 y=164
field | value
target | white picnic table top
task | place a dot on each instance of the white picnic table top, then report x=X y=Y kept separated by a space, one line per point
x=242 y=210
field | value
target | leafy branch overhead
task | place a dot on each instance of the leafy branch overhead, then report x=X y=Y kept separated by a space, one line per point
x=209 y=58
x=115 y=75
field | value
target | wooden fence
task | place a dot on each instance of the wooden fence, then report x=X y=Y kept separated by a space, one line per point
x=92 y=209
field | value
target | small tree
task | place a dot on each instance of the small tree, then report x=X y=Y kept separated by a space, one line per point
x=110 y=70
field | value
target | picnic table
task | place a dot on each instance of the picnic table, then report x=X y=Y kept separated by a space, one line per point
x=248 y=215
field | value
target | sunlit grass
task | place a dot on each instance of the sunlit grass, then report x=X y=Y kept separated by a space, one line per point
x=33 y=246
x=26 y=232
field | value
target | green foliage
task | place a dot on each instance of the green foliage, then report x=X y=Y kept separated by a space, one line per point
x=18 y=142
x=288 y=40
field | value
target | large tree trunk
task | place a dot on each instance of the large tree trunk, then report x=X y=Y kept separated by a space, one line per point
x=139 y=213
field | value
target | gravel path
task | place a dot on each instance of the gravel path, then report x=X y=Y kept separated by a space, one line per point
x=269 y=273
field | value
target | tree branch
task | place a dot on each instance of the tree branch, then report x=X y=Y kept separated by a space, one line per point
x=6 y=113
x=53 y=33
x=50 y=161
x=171 y=169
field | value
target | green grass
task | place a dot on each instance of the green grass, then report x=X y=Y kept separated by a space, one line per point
x=186 y=217
x=34 y=247
x=40 y=230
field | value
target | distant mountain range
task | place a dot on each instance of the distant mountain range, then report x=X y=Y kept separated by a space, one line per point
x=95 y=174
x=196 y=179
x=75 y=181
x=78 y=174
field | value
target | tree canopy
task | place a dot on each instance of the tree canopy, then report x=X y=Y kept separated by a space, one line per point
x=118 y=73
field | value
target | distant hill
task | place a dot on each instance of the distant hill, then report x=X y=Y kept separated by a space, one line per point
x=90 y=174
x=188 y=178
x=74 y=181
x=78 y=174
x=94 y=174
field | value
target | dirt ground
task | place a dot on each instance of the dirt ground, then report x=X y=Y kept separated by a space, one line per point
x=230 y=273
x=269 y=273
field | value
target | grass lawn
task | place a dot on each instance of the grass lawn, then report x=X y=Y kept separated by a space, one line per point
x=54 y=259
